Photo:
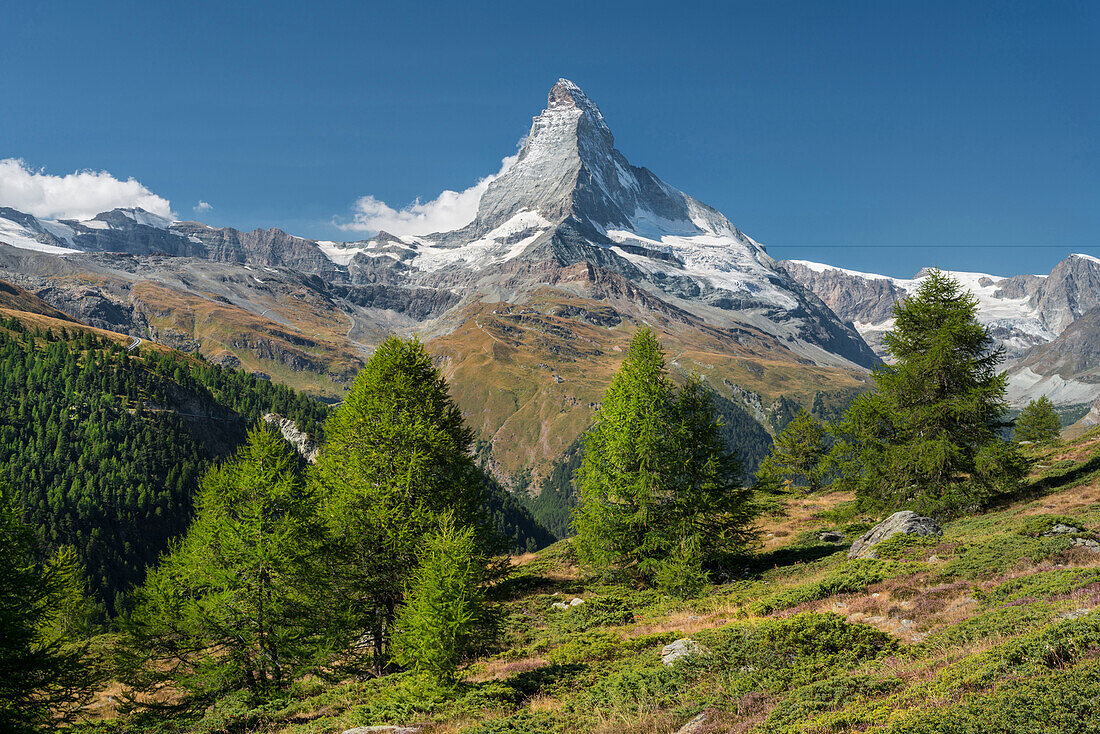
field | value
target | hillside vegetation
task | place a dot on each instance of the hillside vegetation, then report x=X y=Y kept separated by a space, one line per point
x=106 y=444
x=367 y=589
x=990 y=628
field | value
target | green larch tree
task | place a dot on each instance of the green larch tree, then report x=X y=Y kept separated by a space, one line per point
x=798 y=454
x=45 y=676
x=397 y=457
x=1038 y=422
x=659 y=491
x=242 y=602
x=446 y=616
x=928 y=437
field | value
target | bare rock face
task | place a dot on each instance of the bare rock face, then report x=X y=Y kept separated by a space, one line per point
x=854 y=298
x=1066 y=370
x=298 y=439
x=905 y=521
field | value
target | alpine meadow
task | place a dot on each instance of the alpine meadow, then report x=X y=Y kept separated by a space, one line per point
x=562 y=448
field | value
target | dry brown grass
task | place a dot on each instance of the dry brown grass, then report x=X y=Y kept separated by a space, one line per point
x=501 y=669
x=802 y=513
x=1067 y=502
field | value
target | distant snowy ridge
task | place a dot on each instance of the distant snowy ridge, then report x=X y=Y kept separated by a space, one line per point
x=1024 y=313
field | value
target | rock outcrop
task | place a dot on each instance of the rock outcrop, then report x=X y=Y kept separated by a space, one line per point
x=295 y=437
x=906 y=521
x=676 y=651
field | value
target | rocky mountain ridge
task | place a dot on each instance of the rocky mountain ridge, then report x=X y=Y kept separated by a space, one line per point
x=1046 y=323
x=528 y=306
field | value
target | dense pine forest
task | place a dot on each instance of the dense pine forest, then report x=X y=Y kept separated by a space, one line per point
x=107 y=446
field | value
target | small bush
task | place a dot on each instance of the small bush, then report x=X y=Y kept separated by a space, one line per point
x=641 y=686
x=602 y=611
x=522 y=722
x=1037 y=525
x=781 y=654
x=907 y=547
x=1064 y=701
x=1045 y=585
x=1000 y=622
x=834 y=692
x=851 y=577
x=588 y=646
x=996 y=556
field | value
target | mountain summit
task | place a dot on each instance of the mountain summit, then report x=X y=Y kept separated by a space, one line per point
x=530 y=305
x=569 y=169
x=572 y=197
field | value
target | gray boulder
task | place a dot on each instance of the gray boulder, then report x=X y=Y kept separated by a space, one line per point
x=1088 y=544
x=905 y=521
x=1061 y=529
x=694 y=726
x=676 y=651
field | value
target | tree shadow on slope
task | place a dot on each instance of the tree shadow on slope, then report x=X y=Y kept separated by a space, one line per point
x=531 y=683
x=791 y=555
x=521 y=585
x=1054 y=480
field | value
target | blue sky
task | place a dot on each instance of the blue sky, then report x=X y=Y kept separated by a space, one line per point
x=879 y=135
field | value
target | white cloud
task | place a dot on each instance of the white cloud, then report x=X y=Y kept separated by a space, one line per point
x=78 y=195
x=450 y=210
x=202 y=206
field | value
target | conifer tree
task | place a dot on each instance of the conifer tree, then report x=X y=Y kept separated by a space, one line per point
x=656 y=481
x=625 y=473
x=445 y=616
x=710 y=516
x=929 y=436
x=241 y=603
x=45 y=677
x=72 y=612
x=397 y=457
x=798 y=454
x=1038 y=422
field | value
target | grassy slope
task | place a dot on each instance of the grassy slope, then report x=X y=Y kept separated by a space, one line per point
x=989 y=628
x=311 y=353
x=528 y=380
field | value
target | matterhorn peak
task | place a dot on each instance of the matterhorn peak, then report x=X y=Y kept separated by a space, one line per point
x=568 y=168
x=565 y=95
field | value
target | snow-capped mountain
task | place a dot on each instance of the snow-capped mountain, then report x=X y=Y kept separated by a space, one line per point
x=1032 y=316
x=530 y=304
x=572 y=197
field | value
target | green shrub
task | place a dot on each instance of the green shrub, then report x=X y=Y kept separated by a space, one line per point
x=978 y=560
x=400 y=697
x=1037 y=525
x=781 y=654
x=907 y=547
x=826 y=695
x=1058 y=645
x=1064 y=701
x=602 y=611
x=1000 y=622
x=852 y=576
x=640 y=686
x=1044 y=585
x=481 y=697
x=588 y=646
x=522 y=722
